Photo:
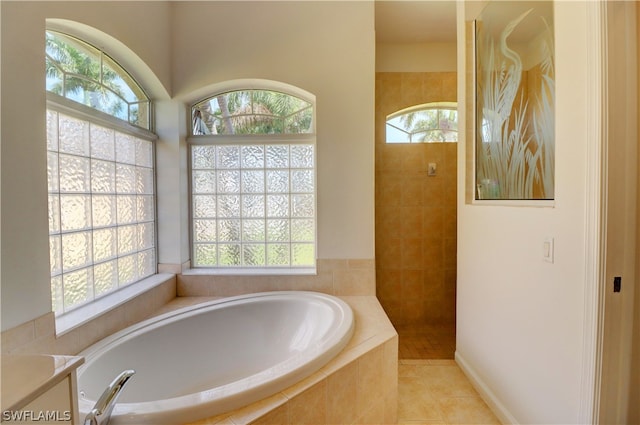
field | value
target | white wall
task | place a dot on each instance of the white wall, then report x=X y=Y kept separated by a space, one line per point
x=520 y=319
x=326 y=48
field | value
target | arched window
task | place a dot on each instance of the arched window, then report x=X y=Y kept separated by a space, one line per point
x=252 y=112
x=427 y=123
x=85 y=74
x=100 y=175
x=253 y=181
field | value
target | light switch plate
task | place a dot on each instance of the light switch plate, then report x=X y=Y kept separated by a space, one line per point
x=547 y=250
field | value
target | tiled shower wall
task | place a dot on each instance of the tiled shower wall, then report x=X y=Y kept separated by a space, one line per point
x=415 y=213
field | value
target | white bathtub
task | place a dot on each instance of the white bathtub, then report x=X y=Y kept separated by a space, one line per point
x=214 y=357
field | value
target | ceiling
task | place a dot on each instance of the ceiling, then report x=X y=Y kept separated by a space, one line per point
x=415 y=21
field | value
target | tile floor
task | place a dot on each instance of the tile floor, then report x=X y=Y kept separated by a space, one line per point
x=432 y=388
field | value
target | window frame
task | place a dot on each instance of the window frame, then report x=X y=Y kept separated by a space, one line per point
x=308 y=138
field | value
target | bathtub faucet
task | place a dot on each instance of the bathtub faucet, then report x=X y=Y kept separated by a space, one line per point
x=101 y=412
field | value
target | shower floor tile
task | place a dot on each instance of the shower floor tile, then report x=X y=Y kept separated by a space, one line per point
x=426 y=342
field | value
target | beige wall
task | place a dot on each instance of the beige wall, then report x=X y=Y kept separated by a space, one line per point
x=634 y=407
x=415 y=214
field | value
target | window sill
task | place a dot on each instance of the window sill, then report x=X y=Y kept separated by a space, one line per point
x=303 y=271
x=81 y=315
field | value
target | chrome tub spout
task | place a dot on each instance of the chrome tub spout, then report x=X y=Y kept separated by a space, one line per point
x=101 y=412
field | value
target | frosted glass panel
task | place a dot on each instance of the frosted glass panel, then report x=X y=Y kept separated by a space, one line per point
x=204 y=181
x=75 y=212
x=204 y=206
x=76 y=250
x=277 y=156
x=302 y=206
x=126 y=179
x=253 y=206
x=146 y=263
x=254 y=254
x=228 y=181
x=102 y=143
x=228 y=230
x=253 y=230
x=126 y=209
x=52 y=172
x=103 y=176
x=253 y=181
x=106 y=277
x=127 y=239
x=203 y=157
x=302 y=254
x=56 y=293
x=104 y=210
x=144 y=153
x=146 y=235
x=127 y=269
x=302 y=181
x=73 y=136
x=302 y=230
x=278 y=230
x=229 y=254
x=54 y=214
x=55 y=254
x=228 y=157
x=74 y=174
x=125 y=148
x=145 y=208
x=253 y=156
x=277 y=206
x=277 y=181
x=104 y=244
x=205 y=255
x=278 y=255
x=228 y=206
x=77 y=287
x=302 y=156
x=52 y=130
x=204 y=230
x=144 y=181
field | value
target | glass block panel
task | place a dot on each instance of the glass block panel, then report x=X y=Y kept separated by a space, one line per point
x=77 y=287
x=277 y=156
x=302 y=254
x=146 y=236
x=253 y=156
x=204 y=181
x=204 y=206
x=126 y=179
x=75 y=173
x=127 y=269
x=277 y=181
x=144 y=153
x=229 y=255
x=278 y=230
x=52 y=130
x=228 y=206
x=146 y=264
x=228 y=181
x=278 y=255
x=126 y=209
x=55 y=254
x=204 y=230
x=302 y=230
x=228 y=157
x=73 y=135
x=54 y=214
x=104 y=244
x=145 y=208
x=302 y=206
x=125 y=148
x=302 y=181
x=228 y=230
x=57 y=298
x=76 y=250
x=144 y=180
x=277 y=206
x=75 y=212
x=254 y=255
x=104 y=210
x=127 y=239
x=105 y=277
x=253 y=230
x=253 y=181
x=253 y=206
x=203 y=157
x=52 y=172
x=205 y=255
x=302 y=156
x=102 y=143
x=103 y=176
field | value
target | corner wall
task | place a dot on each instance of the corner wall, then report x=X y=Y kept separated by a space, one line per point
x=521 y=321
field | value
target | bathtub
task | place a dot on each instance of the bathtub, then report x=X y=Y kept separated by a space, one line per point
x=213 y=357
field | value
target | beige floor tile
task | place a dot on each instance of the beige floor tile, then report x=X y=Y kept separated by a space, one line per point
x=467 y=410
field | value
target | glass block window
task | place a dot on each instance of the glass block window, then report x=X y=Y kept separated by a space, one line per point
x=101 y=209
x=427 y=123
x=253 y=182
x=85 y=74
